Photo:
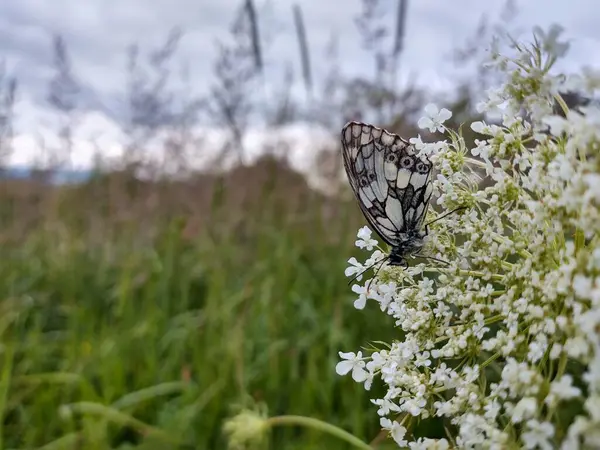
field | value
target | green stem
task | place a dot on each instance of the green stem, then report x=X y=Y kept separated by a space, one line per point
x=475 y=162
x=474 y=273
x=561 y=102
x=562 y=365
x=494 y=319
x=490 y=360
x=319 y=425
x=501 y=240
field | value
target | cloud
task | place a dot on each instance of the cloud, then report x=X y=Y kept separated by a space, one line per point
x=98 y=33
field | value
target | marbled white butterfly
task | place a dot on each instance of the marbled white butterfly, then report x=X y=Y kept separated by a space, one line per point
x=393 y=186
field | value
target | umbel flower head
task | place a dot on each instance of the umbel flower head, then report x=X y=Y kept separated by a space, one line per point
x=503 y=344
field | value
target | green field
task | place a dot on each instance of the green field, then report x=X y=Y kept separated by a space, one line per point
x=141 y=315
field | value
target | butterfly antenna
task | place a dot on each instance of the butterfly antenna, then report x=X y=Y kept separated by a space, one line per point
x=446 y=215
x=367 y=268
x=377 y=271
x=435 y=259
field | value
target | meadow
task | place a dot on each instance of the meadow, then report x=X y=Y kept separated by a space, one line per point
x=137 y=314
x=142 y=315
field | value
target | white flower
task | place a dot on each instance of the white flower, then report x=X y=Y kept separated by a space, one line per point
x=397 y=431
x=428 y=149
x=434 y=118
x=550 y=43
x=368 y=381
x=492 y=409
x=362 y=291
x=525 y=409
x=417 y=142
x=483 y=128
x=592 y=180
x=385 y=406
x=495 y=343
x=386 y=291
x=422 y=359
x=495 y=98
x=558 y=125
x=470 y=374
x=352 y=362
x=376 y=257
x=563 y=389
x=429 y=444
x=538 y=435
x=483 y=149
x=378 y=359
x=354 y=268
x=364 y=240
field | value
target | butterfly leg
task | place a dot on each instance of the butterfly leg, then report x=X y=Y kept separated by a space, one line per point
x=460 y=208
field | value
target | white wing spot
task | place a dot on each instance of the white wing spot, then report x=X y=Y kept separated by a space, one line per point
x=380 y=185
x=385 y=222
x=418 y=180
x=391 y=171
x=364 y=199
x=393 y=209
x=387 y=139
x=359 y=165
x=369 y=192
x=403 y=178
x=428 y=191
x=367 y=150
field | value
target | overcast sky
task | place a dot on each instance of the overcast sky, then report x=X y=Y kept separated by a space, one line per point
x=99 y=31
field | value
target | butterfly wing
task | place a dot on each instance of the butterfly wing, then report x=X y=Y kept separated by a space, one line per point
x=392 y=185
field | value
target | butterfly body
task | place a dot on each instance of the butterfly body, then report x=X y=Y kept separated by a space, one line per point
x=393 y=186
x=411 y=245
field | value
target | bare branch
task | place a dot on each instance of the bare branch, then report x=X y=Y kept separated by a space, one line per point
x=8 y=94
x=236 y=73
x=253 y=24
x=304 y=51
x=64 y=88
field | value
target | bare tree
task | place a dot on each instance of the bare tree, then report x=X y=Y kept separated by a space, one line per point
x=236 y=71
x=473 y=52
x=63 y=95
x=379 y=96
x=284 y=109
x=8 y=92
x=182 y=142
x=158 y=107
x=304 y=50
x=150 y=101
x=328 y=109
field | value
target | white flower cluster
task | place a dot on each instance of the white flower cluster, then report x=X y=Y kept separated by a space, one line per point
x=502 y=345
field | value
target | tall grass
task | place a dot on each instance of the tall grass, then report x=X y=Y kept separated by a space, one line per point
x=146 y=332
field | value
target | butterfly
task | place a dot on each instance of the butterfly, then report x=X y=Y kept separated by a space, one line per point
x=393 y=186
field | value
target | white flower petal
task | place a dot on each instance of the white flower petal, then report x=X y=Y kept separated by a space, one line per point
x=344 y=367
x=360 y=302
x=431 y=109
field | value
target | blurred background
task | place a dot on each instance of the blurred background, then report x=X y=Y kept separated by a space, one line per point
x=174 y=216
